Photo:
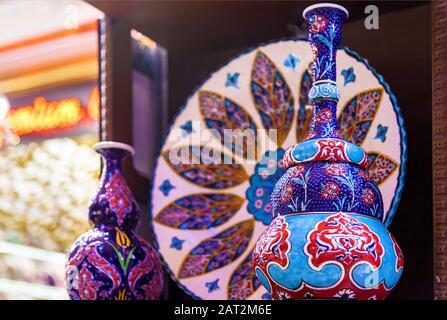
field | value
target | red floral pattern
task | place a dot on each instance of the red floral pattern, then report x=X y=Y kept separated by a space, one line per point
x=119 y=196
x=273 y=245
x=399 y=254
x=324 y=116
x=368 y=196
x=298 y=169
x=334 y=169
x=147 y=265
x=318 y=23
x=343 y=238
x=330 y=190
x=287 y=193
x=288 y=158
x=88 y=286
x=331 y=150
x=102 y=265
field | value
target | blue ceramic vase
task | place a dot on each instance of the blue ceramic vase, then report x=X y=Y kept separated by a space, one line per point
x=327 y=239
x=111 y=261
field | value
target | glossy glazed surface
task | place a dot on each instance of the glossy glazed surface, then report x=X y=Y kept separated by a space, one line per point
x=328 y=240
x=110 y=261
x=326 y=187
x=327 y=256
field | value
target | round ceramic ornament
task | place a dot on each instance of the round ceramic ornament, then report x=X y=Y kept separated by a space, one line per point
x=208 y=215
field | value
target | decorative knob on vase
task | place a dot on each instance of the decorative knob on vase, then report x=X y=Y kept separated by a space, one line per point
x=110 y=261
x=327 y=239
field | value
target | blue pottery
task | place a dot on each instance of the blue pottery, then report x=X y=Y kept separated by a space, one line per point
x=327 y=256
x=111 y=261
x=327 y=239
x=326 y=186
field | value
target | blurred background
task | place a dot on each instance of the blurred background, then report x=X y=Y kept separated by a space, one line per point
x=49 y=109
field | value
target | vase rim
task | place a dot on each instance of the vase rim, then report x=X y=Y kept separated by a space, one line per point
x=113 y=145
x=325 y=5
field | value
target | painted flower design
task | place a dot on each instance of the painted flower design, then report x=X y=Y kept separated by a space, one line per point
x=345 y=294
x=368 y=196
x=334 y=169
x=348 y=75
x=318 y=23
x=331 y=150
x=212 y=285
x=229 y=202
x=287 y=193
x=122 y=239
x=166 y=187
x=177 y=243
x=297 y=170
x=329 y=190
x=119 y=196
x=324 y=116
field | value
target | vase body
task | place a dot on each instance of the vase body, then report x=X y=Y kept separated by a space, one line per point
x=111 y=261
x=327 y=239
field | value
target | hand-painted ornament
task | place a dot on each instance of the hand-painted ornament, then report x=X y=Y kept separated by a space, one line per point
x=327 y=239
x=110 y=261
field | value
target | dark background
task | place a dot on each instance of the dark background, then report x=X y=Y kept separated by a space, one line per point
x=202 y=35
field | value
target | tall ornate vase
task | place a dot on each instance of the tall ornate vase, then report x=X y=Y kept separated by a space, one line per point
x=327 y=239
x=110 y=261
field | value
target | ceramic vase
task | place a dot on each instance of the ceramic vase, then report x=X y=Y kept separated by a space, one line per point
x=110 y=261
x=327 y=239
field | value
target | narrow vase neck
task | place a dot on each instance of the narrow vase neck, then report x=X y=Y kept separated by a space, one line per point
x=324 y=34
x=324 y=121
x=112 y=161
x=114 y=205
x=325 y=24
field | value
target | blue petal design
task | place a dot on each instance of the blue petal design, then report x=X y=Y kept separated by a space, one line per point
x=177 y=243
x=187 y=126
x=166 y=187
x=213 y=285
x=291 y=61
x=232 y=80
x=381 y=133
x=348 y=75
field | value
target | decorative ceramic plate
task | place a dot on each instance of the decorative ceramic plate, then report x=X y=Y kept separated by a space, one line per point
x=207 y=217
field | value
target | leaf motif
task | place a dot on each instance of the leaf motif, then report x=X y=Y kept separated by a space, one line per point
x=305 y=109
x=324 y=40
x=221 y=113
x=243 y=282
x=200 y=211
x=348 y=75
x=358 y=114
x=205 y=167
x=380 y=167
x=218 y=251
x=272 y=96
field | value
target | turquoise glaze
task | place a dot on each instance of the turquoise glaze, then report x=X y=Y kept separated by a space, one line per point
x=327 y=239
